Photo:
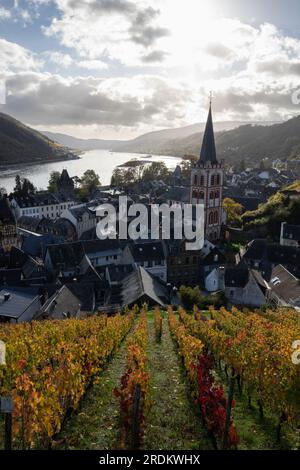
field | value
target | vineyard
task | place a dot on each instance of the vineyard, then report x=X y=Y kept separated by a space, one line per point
x=155 y=380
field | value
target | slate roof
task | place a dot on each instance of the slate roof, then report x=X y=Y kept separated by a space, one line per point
x=62 y=304
x=147 y=251
x=17 y=303
x=284 y=284
x=139 y=284
x=85 y=293
x=208 y=149
x=66 y=254
x=42 y=198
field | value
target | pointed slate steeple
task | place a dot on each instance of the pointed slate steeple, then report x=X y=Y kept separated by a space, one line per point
x=208 y=149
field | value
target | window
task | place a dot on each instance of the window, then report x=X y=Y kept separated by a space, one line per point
x=195 y=180
x=201 y=195
x=217 y=194
x=202 y=180
x=212 y=180
x=218 y=179
x=211 y=195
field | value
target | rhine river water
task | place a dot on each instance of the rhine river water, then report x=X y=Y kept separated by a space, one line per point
x=102 y=161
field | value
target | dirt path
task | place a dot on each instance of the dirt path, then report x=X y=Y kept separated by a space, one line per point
x=171 y=423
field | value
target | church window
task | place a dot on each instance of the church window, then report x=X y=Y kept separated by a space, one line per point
x=212 y=180
x=201 y=195
x=217 y=194
x=202 y=180
x=218 y=179
x=195 y=180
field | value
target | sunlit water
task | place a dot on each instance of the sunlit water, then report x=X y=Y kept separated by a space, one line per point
x=102 y=161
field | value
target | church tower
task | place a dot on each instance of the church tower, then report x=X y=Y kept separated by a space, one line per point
x=207 y=180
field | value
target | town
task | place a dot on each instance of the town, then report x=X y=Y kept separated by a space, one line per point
x=53 y=265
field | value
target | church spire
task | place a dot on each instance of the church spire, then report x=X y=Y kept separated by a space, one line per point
x=208 y=149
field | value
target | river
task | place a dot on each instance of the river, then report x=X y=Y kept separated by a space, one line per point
x=102 y=161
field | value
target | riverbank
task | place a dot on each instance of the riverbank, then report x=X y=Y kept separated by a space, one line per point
x=15 y=166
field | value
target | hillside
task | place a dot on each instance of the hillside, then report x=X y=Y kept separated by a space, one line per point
x=82 y=144
x=151 y=142
x=249 y=142
x=21 y=144
x=280 y=207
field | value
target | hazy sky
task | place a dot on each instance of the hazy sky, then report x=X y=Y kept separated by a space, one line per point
x=118 y=68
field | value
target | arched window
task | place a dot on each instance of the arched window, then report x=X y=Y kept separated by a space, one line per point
x=195 y=194
x=218 y=179
x=216 y=217
x=212 y=180
x=211 y=195
x=201 y=195
x=202 y=180
x=217 y=194
x=210 y=218
x=195 y=180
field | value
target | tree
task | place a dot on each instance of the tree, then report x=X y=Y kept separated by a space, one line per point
x=89 y=182
x=53 y=181
x=23 y=187
x=156 y=171
x=190 y=296
x=234 y=211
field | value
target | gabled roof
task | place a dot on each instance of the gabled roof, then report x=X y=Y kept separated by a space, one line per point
x=62 y=304
x=285 y=285
x=208 y=152
x=18 y=301
x=139 y=284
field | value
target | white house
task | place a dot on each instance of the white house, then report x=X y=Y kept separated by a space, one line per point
x=41 y=204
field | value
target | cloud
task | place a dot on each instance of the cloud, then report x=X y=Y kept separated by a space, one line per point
x=58 y=58
x=14 y=57
x=154 y=56
x=46 y=99
x=92 y=64
x=107 y=29
x=4 y=14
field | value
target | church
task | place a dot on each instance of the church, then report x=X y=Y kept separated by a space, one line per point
x=207 y=181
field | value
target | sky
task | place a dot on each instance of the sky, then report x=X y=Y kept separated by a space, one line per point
x=115 y=69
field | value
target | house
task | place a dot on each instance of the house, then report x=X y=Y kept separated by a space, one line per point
x=263 y=256
x=61 y=305
x=85 y=292
x=18 y=305
x=245 y=286
x=284 y=288
x=150 y=255
x=289 y=235
x=40 y=204
x=82 y=217
x=8 y=227
x=103 y=252
x=64 y=257
x=190 y=268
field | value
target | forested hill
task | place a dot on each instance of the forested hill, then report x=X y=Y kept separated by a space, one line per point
x=21 y=144
x=249 y=142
